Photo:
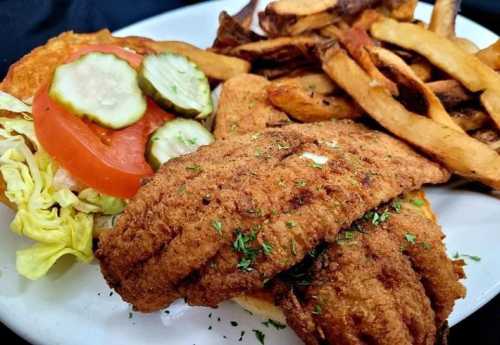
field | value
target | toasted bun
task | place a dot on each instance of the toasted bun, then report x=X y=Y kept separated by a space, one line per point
x=261 y=302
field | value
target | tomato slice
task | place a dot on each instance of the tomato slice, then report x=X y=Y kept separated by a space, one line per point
x=110 y=161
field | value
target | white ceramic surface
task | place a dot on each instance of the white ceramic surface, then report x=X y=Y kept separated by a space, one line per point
x=74 y=306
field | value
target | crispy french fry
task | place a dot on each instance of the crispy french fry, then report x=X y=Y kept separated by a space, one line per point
x=403 y=72
x=488 y=136
x=300 y=7
x=278 y=49
x=355 y=40
x=215 y=66
x=491 y=55
x=450 y=92
x=443 y=17
x=245 y=15
x=468 y=69
x=315 y=82
x=467 y=45
x=404 y=10
x=231 y=34
x=422 y=69
x=311 y=22
x=470 y=119
x=459 y=152
x=309 y=106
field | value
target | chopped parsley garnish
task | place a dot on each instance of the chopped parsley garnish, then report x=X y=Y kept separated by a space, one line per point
x=241 y=245
x=248 y=311
x=418 y=202
x=259 y=335
x=290 y=224
x=167 y=311
x=377 y=218
x=410 y=238
x=258 y=152
x=217 y=225
x=345 y=236
x=472 y=257
x=194 y=168
x=241 y=335
x=234 y=323
x=300 y=183
x=210 y=315
x=267 y=248
x=209 y=328
x=426 y=245
x=396 y=205
x=317 y=309
x=130 y=315
x=275 y=324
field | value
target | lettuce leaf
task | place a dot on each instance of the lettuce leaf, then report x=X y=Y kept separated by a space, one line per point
x=60 y=221
x=12 y=104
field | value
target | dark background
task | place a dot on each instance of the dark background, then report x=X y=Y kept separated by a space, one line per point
x=25 y=24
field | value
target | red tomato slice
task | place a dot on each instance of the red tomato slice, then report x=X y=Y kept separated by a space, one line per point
x=110 y=161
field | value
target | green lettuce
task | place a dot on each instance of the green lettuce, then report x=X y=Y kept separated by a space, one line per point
x=60 y=221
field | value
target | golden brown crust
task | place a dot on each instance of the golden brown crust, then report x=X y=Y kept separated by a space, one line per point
x=150 y=251
x=391 y=283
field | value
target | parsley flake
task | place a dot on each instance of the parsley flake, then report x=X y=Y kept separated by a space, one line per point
x=275 y=324
x=418 y=202
x=396 y=205
x=234 y=323
x=317 y=310
x=217 y=225
x=472 y=257
x=410 y=238
x=290 y=224
x=259 y=335
x=267 y=248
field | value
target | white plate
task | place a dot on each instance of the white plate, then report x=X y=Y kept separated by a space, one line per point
x=73 y=306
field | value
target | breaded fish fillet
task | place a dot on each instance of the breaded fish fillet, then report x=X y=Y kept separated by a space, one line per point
x=390 y=283
x=260 y=201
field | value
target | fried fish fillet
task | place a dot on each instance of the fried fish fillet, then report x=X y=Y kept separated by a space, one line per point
x=280 y=192
x=390 y=283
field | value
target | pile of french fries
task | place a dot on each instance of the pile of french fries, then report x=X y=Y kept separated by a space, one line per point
x=335 y=59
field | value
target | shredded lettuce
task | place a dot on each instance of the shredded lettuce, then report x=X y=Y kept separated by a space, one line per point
x=60 y=221
x=12 y=104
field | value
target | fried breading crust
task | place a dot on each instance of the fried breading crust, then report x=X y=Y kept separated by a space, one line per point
x=390 y=284
x=252 y=182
